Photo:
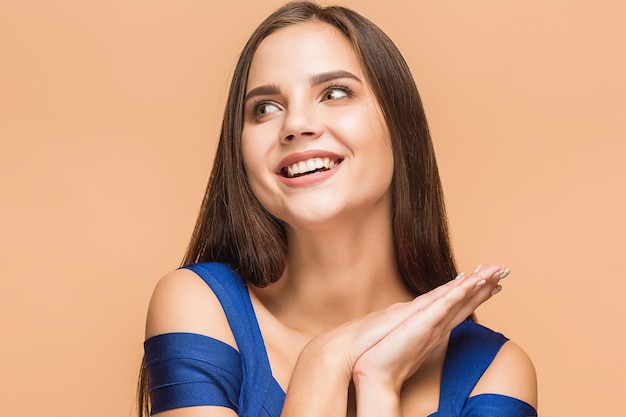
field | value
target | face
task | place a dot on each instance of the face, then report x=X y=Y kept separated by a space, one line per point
x=315 y=145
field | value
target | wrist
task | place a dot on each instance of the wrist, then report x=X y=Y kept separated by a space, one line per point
x=319 y=384
x=326 y=355
x=375 y=398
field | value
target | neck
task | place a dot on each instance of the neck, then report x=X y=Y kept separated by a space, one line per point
x=335 y=276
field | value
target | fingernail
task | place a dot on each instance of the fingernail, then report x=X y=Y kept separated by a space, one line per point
x=496 y=289
x=461 y=275
x=478 y=268
x=480 y=283
x=503 y=273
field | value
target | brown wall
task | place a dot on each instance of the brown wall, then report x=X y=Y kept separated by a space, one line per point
x=108 y=115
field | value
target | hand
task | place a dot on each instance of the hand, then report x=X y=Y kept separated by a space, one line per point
x=382 y=349
x=411 y=331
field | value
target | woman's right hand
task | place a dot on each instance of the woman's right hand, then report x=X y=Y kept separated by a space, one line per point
x=383 y=349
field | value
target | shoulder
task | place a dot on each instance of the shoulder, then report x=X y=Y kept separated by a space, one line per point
x=183 y=302
x=511 y=373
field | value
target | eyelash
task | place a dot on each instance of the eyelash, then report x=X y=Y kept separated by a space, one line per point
x=339 y=86
x=334 y=86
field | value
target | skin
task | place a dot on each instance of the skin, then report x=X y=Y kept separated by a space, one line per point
x=343 y=334
x=321 y=104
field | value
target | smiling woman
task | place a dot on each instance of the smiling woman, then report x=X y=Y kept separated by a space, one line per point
x=320 y=280
x=315 y=107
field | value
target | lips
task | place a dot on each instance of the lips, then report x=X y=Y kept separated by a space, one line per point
x=306 y=163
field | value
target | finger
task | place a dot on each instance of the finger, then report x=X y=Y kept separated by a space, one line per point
x=426 y=299
x=360 y=335
x=451 y=304
x=453 y=292
x=404 y=348
x=439 y=308
x=461 y=302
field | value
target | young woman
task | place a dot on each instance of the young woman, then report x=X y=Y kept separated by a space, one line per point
x=320 y=278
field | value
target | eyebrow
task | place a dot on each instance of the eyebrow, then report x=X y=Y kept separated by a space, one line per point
x=325 y=77
x=317 y=79
x=264 y=90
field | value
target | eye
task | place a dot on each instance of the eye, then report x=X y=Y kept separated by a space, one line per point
x=336 y=92
x=264 y=108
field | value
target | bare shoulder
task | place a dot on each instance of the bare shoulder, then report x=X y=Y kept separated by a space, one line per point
x=511 y=373
x=183 y=302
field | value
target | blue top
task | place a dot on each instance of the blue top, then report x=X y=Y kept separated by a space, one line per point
x=188 y=369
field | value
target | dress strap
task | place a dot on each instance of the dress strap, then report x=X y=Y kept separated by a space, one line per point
x=233 y=294
x=471 y=350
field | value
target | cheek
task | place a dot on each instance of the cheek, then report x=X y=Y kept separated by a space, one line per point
x=382 y=149
x=381 y=139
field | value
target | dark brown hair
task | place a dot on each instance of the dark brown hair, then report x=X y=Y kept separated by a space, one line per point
x=234 y=228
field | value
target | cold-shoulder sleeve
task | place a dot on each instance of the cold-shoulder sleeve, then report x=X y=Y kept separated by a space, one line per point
x=187 y=369
x=494 y=405
x=471 y=350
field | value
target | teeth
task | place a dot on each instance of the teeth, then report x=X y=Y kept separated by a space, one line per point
x=310 y=165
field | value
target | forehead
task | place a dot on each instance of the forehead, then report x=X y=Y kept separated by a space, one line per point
x=302 y=50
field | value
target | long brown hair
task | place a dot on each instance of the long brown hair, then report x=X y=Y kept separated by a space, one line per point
x=234 y=228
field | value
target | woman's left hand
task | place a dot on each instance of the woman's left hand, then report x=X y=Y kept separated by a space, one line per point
x=380 y=372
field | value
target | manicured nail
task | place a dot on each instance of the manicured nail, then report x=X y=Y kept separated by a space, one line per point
x=460 y=276
x=480 y=283
x=478 y=268
x=496 y=289
x=503 y=273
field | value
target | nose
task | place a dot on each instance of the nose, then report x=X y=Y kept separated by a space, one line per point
x=301 y=121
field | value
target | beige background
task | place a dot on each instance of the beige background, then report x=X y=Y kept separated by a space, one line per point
x=108 y=116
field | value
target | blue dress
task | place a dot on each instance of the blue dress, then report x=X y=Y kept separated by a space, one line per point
x=188 y=369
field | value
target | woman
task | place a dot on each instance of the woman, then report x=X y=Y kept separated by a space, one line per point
x=319 y=277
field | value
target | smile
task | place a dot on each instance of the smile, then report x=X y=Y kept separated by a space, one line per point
x=309 y=166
